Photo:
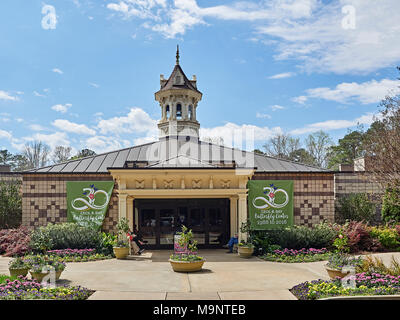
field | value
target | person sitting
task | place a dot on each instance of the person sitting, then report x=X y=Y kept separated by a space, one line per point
x=232 y=241
x=137 y=240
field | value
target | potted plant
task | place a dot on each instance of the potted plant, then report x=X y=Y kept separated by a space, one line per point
x=338 y=262
x=41 y=266
x=186 y=260
x=246 y=248
x=121 y=246
x=18 y=267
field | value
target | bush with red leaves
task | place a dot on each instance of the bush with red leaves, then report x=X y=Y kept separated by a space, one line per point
x=14 y=242
x=359 y=237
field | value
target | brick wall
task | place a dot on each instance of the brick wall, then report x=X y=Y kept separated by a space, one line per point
x=10 y=176
x=358 y=182
x=45 y=199
x=313 y=195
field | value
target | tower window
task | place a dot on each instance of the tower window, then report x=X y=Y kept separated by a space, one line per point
x=178 y=111
x=167 y=112
x=178 y=80
x=191 y=112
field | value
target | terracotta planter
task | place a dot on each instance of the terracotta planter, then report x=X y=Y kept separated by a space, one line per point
x=186 y=266
x=245 y=252
x=18 y=272
x=121 y=252
x=38 y=276
x=334 y=273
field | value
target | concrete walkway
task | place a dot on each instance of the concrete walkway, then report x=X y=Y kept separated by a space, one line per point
x=224 y=277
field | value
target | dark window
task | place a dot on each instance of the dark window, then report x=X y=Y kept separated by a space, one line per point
x=178 y=111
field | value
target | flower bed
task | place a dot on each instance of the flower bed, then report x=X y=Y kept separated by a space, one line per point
x=293 y=256
x=365 y=285
x=78 y=255
x=24 y=289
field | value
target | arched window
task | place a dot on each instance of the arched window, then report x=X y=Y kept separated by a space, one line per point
x=167 y=112
x=190 y=112
x=178 y=111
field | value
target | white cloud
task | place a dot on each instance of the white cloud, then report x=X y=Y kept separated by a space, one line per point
x=309 y=31
x=240 y=135
x=7 y=96
x=5 y=135
x=136 y=121
x=56 y=70
x=367 y=92
x=282 y=75
x=328 y=125
x=263 y=116
x=37 y=94
x=323 y=45
x=94 y=85
x=63 y=108
x=72 y=127
x=52 y=140
x=101 y=144
x=36 y=127
x=277 y=107
x=174 y=18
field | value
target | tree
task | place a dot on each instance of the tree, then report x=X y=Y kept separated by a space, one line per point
x=382 y=143
x=350 y=147
x=83 y=154
x=6 y=157
x=10 y=204
x=282 y=146
x=61 y=154
x=36 y=154
x=258 y=151
x=302 y=156
x=317 y=145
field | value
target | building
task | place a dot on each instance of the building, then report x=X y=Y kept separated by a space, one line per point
x=178 y=179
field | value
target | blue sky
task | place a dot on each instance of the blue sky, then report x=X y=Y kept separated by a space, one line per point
x=87 y=78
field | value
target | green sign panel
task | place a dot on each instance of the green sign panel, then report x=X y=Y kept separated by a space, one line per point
x=87 y=202
x=270 y=204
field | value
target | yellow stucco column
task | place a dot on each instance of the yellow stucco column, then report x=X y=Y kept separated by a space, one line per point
x=242 y=208
x=234 y=215
x=122 y=208
x=129 y=211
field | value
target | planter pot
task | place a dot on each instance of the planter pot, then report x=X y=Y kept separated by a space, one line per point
x=121 y=252
x=245 y=252
x=186 y=266
x=38 y=276
x=58 y=274
x=18 y=272
x=334 y=273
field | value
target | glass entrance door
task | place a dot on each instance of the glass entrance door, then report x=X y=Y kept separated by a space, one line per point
x=167 y=226
x=160 y=219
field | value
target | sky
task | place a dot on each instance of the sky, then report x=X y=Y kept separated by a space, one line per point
x=83 y=73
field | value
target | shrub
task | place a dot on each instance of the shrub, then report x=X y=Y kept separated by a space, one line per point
x=10 y=204
x=65 y=236
x=356 y=207
x=359 y=237
x=107 y=242
x=388 y=237
x=298 y=237
x=375 y=265
x=391 y=205
x=14 y=242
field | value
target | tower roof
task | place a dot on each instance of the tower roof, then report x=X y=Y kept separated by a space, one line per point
x=178 y=80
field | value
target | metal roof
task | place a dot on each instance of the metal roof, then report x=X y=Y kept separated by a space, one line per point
x=175 y=152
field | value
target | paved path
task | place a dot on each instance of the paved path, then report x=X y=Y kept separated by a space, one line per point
x=224 y=276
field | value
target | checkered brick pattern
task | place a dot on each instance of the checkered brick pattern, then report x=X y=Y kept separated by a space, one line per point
x=44 y=199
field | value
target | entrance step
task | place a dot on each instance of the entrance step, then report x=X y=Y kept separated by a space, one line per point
x=143 y=256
